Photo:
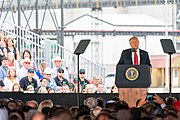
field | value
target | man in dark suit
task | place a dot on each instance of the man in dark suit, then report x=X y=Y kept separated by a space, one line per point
x=128 y=56
x=133 y=56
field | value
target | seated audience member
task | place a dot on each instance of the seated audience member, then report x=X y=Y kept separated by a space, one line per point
x=100 y=88
x=57 y=61
x=40 y=71
x=28 y=80
x=16 y=88
x=59 y=89
x=11 y=48
x=51 y=82
x=1 y=84
x=12 y=62
x=27 y=55
x=89 y=88
x=59 y=79
x=114 y=89
x=71 y=88
x=4 y=68
x=75 y=81
x=42 y=90
x=26 y=64
x=50 y=90
x=4 y=89
x=65 y=89
x=3 y=50
x=43 y=83
x=29 y=89
x=11 y=79
x=96 y=80
x=82 y=79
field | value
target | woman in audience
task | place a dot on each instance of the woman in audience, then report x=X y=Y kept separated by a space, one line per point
x=27 y=54
x=12 y=62
x=40 y=72
x=3 y=50
x=50 y=90
x=11 y=48
x=16 y=88
x=11 y=79
x=114 y=89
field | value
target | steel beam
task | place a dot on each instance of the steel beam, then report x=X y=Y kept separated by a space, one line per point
x=109 y=33
x=91 y=4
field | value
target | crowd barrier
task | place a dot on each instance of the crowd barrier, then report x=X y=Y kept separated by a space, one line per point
x=63 y=99
x=67 y=99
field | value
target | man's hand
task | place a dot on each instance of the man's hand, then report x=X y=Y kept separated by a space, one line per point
x=158 y=99
x=142 y=100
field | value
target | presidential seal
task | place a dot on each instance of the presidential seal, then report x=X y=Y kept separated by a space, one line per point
x=132 y=73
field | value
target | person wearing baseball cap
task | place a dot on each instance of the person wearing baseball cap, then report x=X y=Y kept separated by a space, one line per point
x=82 y=80
x=28 y=80
x=59 y=79
x=57 y=61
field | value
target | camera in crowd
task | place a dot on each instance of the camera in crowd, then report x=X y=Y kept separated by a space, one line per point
x=150 y=98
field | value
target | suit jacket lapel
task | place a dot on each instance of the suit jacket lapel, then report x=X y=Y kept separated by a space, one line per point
x=130 y=54
x=141 y=56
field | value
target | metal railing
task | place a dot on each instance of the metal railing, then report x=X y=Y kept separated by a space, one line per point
x=43 y=49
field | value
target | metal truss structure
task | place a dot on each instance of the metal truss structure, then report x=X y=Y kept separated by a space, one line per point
x=55 y=4
x=21 y=6
x=111 y=33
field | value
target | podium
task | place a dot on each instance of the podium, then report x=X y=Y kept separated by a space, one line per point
x=132 y=82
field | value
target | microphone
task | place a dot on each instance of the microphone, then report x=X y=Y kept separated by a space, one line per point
x=133 y=49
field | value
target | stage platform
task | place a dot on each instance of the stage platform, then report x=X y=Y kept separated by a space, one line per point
x=64 y=99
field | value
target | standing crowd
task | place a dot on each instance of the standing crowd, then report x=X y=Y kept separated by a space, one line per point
x=92 y=109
